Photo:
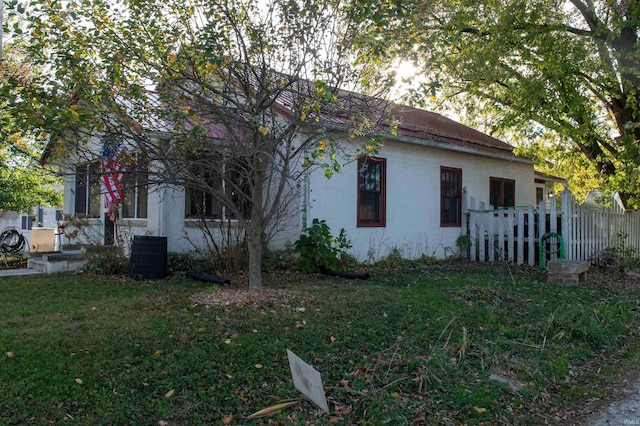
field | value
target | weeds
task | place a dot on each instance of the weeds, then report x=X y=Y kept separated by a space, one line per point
x=318 y=248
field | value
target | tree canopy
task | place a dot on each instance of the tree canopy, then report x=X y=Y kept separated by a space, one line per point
x=24 y=182
x=554 y=73
x=223 y=98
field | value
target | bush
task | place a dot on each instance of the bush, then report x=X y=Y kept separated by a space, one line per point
x=395 y=260
x=318 y=248
x=204 y=261
x=107 y=260
x=187 y=262
x=280 y=259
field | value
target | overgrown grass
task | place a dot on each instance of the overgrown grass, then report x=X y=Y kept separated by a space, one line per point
x=406 y=347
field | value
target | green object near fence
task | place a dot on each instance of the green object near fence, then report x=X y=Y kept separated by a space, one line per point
x=543 y=249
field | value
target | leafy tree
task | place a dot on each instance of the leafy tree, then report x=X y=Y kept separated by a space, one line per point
x=560 y=72
x=22 y=189
x=23 y=182
x=226 y=98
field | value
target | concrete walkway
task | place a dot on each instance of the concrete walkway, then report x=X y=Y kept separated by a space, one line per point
x=17 y=272
x=625 y=411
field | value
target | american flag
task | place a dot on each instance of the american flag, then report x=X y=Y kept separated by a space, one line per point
x=114 y=161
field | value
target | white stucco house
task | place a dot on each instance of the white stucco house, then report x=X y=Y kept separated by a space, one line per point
x=421 y=177
x=409 y=196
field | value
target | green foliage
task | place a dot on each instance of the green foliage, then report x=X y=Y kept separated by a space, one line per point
x=107 y=260
x=318 y=248
x=23 y=181
x=463 y=242
x=624 y=255
x=187 y=262
x=548 y=74
x=24 y=187
x=278 y=260
x=226 y=259
x=395 y=259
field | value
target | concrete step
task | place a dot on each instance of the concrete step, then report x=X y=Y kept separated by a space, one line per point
x=53 y=262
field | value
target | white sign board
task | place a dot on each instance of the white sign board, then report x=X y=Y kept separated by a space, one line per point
x=307 y=380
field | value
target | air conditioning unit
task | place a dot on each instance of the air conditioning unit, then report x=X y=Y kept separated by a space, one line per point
x=42 y=240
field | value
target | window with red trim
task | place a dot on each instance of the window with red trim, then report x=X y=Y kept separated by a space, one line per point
x=450 y=196
x=371 y=191
x=502 y=192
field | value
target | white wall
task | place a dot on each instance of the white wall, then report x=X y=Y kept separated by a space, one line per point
x=412 y=204
x=413 y=199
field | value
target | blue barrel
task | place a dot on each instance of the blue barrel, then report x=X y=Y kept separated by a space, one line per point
x=149 y=257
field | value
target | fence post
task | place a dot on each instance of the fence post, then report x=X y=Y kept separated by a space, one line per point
x=566 y=223
x=520 y=241
x=510 y=234
x=465 y=209
x=491 y=221
x=531 y=235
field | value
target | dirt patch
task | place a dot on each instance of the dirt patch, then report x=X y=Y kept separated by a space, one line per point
x=612 y=278
x=233 y=298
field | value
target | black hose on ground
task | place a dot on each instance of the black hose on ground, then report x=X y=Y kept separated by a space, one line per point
x=12 y=242
x=208 y=278
x=347 y=275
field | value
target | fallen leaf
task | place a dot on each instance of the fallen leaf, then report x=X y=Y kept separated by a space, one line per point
x=9 y=354
x=170 y=393
x=157 y=352
x=226 y=420
x=79 y=381
x=333 y=339
x=273 y=409
x=479 y=410
x=258 y=365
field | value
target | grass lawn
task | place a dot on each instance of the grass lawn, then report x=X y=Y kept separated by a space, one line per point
x=448 y=344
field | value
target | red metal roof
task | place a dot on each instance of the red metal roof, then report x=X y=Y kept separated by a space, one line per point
x=426 y=125
x=411 y=122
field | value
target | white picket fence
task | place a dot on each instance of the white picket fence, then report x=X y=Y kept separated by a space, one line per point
x=513 y=234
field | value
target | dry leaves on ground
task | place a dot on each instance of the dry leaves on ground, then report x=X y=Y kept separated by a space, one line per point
x=234 y=298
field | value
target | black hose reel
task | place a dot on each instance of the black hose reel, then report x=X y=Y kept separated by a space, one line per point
x=12 y=242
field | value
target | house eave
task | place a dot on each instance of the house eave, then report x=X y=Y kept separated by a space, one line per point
x=507 y=156
x=461 y=149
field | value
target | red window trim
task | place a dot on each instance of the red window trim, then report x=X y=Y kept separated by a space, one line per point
x=502 y=181
x=383 y=193
x=458 y=223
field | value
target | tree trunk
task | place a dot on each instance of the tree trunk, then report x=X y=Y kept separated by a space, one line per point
x=255 y=257
x=255 y=229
